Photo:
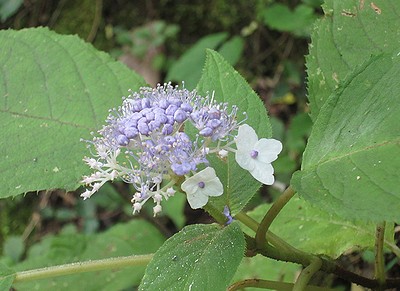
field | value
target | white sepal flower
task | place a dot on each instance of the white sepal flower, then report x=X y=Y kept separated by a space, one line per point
x=256 y=155
x=201 y=186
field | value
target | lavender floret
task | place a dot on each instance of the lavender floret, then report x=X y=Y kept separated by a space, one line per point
x=206 y=131
x=143 y=128
x=122 y=140
x=131 y=132
x=180 y=116
x=171 y=109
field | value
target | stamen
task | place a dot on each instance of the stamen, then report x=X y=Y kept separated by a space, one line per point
x=253 y=154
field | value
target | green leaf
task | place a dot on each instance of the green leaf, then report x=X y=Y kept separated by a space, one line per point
x=188 y=67
x=310 y=229
x=200 y=257
x=174 y=209
x=260 y=267
x=55 y=90
x=232 y=49
x=6 y=277
x=297 y=133
x=134 y=238
x=280 y=17
x=351 y=163
x=348 y=35
x=228 y=86
x=8 y=8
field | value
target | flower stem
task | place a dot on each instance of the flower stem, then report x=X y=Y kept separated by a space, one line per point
x=306 y=274
x=81 y=267
x=271 y=215
x=270 y=236
x=379 y=258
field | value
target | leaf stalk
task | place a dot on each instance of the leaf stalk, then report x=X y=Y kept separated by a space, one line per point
x=81 y=267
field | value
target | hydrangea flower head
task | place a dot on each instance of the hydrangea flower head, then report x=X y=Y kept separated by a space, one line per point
x=256 y=155
x=144 y=143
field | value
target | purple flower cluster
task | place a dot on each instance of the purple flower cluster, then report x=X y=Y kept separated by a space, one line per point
x=145 y=116
x=149 y=128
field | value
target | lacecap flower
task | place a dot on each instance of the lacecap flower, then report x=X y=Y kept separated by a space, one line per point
x=144 y=143
x=201 y=186
x=256 y=155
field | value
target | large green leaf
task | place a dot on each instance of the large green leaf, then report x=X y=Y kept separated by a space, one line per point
x=228 y=86
x=310 y=229
x=349 y=33
x=200 y=257
x=54 y=90
x=351 y=163
x=134 y=238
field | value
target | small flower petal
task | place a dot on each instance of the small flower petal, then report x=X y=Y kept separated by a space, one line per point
x=197 y=200
x=246 y=136
x=268 y=149
x=264 y=173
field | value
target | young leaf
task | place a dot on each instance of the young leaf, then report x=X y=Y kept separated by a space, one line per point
x=228 y=86
x=348 y=35
x=351 y=163
x=310 y=229
x=136 y=237
x=55 y=89
x=199 y=257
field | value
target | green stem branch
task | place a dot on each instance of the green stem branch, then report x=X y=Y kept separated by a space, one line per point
x=272 y=213
x=270 y=236
x=81 y=267
x=379 y=258
x=307 y=273
x=266 y=284
x=289 y=253
x=282 y=251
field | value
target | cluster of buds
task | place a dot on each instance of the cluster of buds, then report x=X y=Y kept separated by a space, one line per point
x=166 y=134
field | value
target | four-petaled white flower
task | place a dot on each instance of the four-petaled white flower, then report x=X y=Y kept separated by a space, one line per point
x=256 y=155
x=202 y=185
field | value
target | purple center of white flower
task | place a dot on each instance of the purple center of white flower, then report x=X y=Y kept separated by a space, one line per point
x=254 y=154
x=201 y=185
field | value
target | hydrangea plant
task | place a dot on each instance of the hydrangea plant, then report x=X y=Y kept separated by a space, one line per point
x=214 y=144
